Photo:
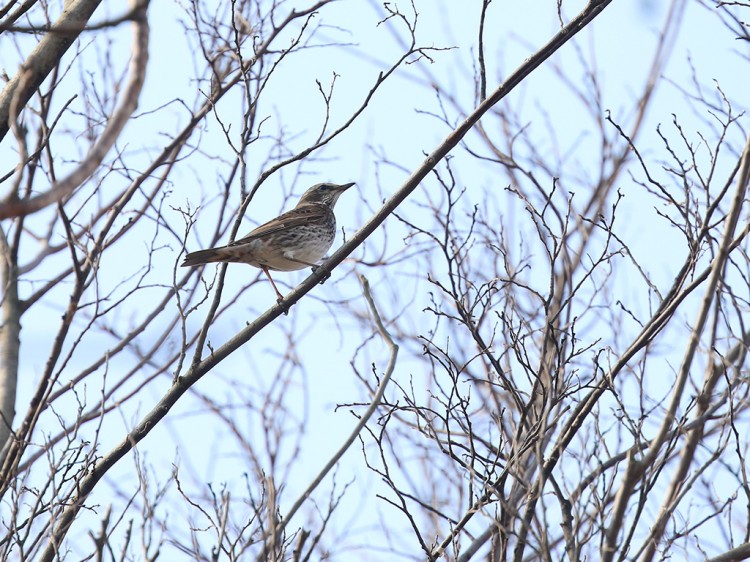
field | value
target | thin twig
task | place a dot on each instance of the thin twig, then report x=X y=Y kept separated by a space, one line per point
x=393 y=346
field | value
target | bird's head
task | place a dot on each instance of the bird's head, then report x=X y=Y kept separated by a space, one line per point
x=326 y=193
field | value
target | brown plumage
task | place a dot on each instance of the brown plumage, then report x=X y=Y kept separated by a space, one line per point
x=296 y=239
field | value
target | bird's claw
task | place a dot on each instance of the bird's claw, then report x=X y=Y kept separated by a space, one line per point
x=284 y=308
x=325 y=277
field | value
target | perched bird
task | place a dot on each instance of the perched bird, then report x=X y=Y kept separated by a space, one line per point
x=291 y=241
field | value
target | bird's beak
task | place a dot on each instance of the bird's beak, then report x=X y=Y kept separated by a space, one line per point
x=346 y=186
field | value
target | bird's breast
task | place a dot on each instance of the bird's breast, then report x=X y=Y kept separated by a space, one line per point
x=298 y=247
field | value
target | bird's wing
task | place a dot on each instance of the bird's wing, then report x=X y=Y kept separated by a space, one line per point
x=285 y=221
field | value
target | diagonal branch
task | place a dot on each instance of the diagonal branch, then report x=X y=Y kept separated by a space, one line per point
x=717 y=271
x=377 y=398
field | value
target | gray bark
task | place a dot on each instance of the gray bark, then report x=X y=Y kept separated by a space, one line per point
x=10 y=330
x=44 y=58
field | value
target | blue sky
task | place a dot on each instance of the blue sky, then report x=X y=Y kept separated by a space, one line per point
x=397 y=124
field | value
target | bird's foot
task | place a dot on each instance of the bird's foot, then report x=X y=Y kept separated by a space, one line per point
x=325 y=277
x=284 y=308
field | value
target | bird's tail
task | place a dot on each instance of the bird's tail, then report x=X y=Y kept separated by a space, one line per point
x=204 y=256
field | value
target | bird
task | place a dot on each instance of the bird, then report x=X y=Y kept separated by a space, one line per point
x=294 y=240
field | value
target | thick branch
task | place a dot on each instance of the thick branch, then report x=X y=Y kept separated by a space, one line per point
x=10 y=342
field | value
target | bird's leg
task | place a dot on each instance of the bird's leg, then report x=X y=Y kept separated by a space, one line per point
x=314 y=267
x=268 y=274
x=303 y=262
